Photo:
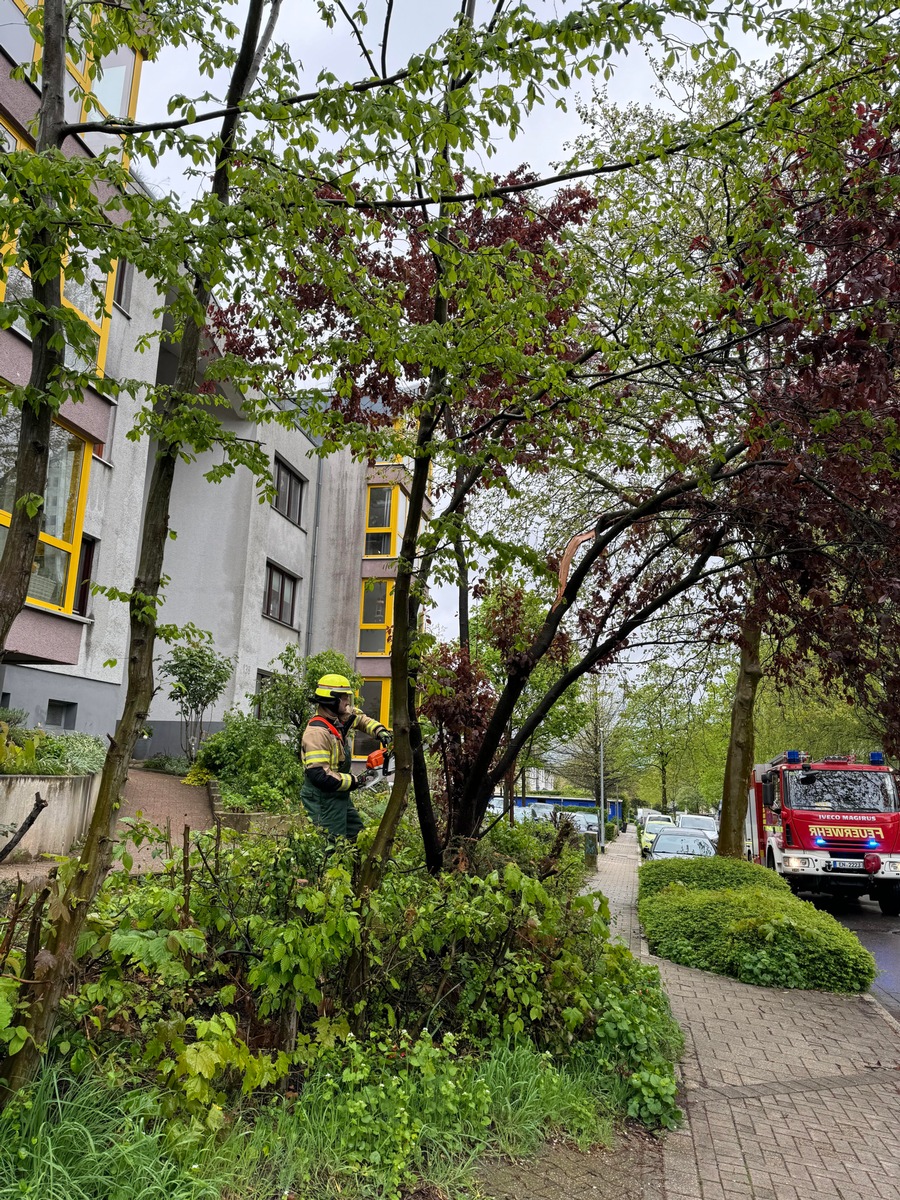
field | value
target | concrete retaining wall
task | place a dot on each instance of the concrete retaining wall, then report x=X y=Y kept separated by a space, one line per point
x=70 y=802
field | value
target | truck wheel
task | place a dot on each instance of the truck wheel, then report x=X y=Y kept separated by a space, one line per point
x=770 y=861
x=889 y=902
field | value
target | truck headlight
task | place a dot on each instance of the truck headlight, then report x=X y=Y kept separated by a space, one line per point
x=793 y=863
x=894 y=867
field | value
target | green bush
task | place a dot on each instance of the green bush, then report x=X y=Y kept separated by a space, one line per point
x=760 y=935
x=706 y=874
x=35 y=752
x=273 y=929
x=167 y=764
x=248 y=757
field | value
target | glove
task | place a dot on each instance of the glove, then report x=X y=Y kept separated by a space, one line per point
x=358 y=781
x=385 y=736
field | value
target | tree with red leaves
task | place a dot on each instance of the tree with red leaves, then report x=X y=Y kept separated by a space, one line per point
x=830 y=388
x=634 y=364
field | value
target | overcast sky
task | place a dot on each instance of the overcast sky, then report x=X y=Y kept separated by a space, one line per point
x=415 y=25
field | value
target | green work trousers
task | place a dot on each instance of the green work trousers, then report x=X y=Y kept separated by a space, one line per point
x=332 y=811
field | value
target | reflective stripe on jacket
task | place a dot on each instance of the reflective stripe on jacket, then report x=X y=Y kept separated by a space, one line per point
x=326 y=749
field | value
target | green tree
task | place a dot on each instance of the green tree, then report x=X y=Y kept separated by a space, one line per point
x=286 y=698
x=199 y=676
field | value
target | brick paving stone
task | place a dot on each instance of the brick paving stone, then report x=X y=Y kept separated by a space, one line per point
x=160 y=799
x=787 y=1095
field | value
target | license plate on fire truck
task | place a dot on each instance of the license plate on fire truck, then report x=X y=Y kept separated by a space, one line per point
x=847 y=864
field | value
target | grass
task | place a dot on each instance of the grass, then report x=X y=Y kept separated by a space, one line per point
x=78 y=1140
x=93 y=1139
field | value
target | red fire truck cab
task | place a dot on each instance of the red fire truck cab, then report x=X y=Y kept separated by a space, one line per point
x=831 y=826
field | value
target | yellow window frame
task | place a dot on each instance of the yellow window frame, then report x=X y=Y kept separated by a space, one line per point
x=391 y=527
x=73 y=548
x=102 y=328
x=384 y=706
x=387 y=624
x=83 y=76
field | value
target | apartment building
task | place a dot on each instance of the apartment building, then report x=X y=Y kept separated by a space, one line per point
x=313 y=568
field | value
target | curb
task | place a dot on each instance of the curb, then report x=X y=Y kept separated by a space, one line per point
x=883 y=1012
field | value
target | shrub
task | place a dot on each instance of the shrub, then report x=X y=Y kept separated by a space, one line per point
x=248 y=757
x=80 y=753
x=206 y=999
x=34 y=752
x=706 y=874
x=167 y=764
x=760 y=935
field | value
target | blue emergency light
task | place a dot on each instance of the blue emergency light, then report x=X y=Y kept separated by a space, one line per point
x=872 y=842
x=876 y=758
x=820 y=841
x=793 y=756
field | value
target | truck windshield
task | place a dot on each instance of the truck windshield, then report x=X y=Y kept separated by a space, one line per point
x=842 y=791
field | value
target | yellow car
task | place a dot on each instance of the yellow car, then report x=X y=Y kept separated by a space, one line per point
x=651 y=829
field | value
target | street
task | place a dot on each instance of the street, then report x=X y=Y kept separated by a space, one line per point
x=880 y=935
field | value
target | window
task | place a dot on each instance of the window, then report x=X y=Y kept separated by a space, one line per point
x=378 y=522
x=53 y=581
x=112 y=84
x=288 y=492
x=281 y=591
x=82 y=602
x=61 y=713
x=87 y=297
x=124 y=280
x=376 y=616
x=375 y=697
x=8 y=140
x=262 y=678
x=16 y=37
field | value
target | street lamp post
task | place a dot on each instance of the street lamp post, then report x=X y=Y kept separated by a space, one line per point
x=601 y=812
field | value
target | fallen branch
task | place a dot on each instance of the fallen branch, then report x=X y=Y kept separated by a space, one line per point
x=39 y=805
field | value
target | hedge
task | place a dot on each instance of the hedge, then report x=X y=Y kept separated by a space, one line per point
x=760 y=935
x=706 y=874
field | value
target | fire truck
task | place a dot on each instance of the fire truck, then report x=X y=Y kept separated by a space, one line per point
x=830 y=827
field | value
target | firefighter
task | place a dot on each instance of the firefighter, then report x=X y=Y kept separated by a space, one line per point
x=326 y=751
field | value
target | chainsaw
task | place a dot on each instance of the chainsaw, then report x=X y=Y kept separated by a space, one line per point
x=378 y=765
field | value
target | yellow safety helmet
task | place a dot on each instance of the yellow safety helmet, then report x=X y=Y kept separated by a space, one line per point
x=330 y=687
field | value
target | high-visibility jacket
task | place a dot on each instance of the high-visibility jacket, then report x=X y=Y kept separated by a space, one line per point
x=326 y=752
x=327 y=749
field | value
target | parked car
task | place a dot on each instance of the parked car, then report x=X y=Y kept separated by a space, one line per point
x=651 y=829
x=707 y=825
x=677 y=842
x=540 y=812
x=648 y=815
x=584 y=822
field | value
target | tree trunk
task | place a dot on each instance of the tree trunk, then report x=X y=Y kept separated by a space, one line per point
x=33 y=451
x=664 y=783
x=739 y=760
x=405 y=609
x=44 y=995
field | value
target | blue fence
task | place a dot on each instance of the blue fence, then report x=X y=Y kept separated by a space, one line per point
x=613 y=807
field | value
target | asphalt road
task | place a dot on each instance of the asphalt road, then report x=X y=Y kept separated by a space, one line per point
x=879 y=934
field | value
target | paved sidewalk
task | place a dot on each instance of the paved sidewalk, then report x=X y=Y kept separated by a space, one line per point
x=787 y=1095
x=160 y=799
